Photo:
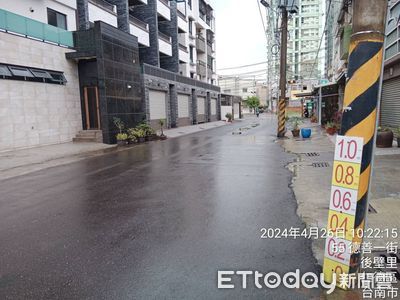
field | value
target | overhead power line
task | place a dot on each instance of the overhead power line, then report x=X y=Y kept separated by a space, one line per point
x=243 y=66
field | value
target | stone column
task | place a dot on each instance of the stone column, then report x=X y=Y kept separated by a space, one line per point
x=148 y=14
x=173 y=100
x=123 y=15
x=173 y=62
x=208 y=107
x=83 y=14
x=194 y=106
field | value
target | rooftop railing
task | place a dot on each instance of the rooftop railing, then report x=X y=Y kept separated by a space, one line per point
x=17 y=24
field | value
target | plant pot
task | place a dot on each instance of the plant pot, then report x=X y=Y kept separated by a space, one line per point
x=384 y=139
x=141 y=140
x=296 y=132
x=306 y=133
x=153 y=137
x=121 y=143
x=330 y=130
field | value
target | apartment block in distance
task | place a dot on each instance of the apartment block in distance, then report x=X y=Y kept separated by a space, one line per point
x=69 y=67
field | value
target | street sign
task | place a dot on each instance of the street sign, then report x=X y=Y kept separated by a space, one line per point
x=342 y=206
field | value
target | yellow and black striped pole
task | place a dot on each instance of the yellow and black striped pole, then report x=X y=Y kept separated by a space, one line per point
x=282 y=83
x=362 y=95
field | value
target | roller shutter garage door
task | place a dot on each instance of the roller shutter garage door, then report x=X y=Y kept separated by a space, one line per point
x=157 y=105
x=201 y=110
x=390 y=104
x=183 y=106
x=236 y=108
x=213 y=106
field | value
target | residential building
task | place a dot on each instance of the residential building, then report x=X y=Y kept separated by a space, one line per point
x=306 y=59
x=72 y=66
x=244 y=87
x=390 y=100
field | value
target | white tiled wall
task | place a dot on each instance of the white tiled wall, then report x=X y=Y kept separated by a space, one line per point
x=33 y=113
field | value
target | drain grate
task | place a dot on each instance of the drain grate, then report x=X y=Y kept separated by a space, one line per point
x=320 y=165
x=311 y=154
x=371 y=210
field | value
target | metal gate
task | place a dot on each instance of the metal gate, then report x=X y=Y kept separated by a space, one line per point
x=390 y=104
x=157 y=103
x=201 y=109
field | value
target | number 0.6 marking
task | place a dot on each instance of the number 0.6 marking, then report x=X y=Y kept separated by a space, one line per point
x=343 y=200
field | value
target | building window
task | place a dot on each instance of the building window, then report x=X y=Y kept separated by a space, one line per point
x=56 y=19
x=191 y=75
x=191 y=54
x=31 y=74
x=244 y=90
x=190 y=27
x=190 y=4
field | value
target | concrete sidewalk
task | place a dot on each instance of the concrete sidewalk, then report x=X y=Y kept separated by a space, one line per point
x=312 y=184
x=180 y=131
x=23 y=161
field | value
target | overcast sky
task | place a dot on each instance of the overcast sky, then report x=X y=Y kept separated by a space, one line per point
x=240 y=37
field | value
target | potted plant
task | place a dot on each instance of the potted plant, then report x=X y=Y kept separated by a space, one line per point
x=162 y=136
x=122 y=139
x=132 y=138
x=384 y=138
x=229 y=117
x=149 y=132
x=140 y=135
x=330 y=128
x=295 y=121
x=313 y=119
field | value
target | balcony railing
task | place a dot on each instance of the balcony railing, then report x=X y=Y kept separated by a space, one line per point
x=183 y=47
x=139 y=23
x=166 y=2
x=164 y=37
x=182 y=15
x=200 y=44
x=18 y=24
x=104 y=4
x=161 y=73
x=201 y=68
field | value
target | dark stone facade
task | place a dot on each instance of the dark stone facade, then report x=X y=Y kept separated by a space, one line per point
x=123 y=15
x=82 y=8
x=148 y=14
x=170 y=28
x=109 y=59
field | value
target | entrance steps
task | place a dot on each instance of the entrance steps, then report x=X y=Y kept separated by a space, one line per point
x=88 y=136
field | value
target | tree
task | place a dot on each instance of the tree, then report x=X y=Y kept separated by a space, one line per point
x=252 y=102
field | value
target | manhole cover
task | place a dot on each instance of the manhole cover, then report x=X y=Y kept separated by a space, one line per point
x=312 y=154
x=320 y=165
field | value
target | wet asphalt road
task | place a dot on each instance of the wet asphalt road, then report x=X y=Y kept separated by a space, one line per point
x=154 y=222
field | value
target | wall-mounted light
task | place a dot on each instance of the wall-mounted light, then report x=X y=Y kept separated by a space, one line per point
x=128 y=86
x=31 y=9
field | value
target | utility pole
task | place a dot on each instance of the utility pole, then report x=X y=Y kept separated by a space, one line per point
x=282 y=84
x=361 y=103
x=362 y=94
